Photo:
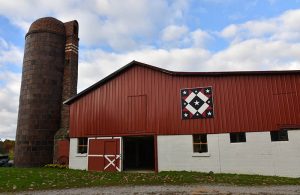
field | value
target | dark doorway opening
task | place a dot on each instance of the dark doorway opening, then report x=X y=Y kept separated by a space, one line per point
x=138 y=153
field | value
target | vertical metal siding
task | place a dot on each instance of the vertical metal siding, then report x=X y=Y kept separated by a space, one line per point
x=137 y=113
x=241 y=103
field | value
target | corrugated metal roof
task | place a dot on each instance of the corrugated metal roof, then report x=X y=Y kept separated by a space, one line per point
x=136 y=63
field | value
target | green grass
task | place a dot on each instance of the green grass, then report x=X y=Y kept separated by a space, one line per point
x=22 y=179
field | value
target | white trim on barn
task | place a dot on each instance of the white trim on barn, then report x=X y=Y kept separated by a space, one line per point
x=258 y=155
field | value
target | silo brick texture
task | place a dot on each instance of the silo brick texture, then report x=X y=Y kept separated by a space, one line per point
x=41 y=95
x=70 y=69
x=69 y=88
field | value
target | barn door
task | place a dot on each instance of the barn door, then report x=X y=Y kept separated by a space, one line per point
x=63 y=147
x=104 y=154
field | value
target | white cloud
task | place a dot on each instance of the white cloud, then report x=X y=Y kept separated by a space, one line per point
x=285 y=27
x=200 y=38
x=120 y=25
x=257 y=54
x=9 y=54
x=174 y=33
x=174 y=36
x=178 y=9
x=270 y=44
x=9 y=100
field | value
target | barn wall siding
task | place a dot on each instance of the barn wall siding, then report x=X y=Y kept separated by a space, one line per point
x=77 y=161
x=257 y=156
x=241 y=103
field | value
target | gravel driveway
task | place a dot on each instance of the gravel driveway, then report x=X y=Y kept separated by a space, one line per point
x=168 y=190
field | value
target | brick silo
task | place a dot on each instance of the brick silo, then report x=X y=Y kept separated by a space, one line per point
x=41 y=94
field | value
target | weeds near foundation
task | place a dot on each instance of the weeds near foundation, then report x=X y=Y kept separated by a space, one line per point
x=56 y=166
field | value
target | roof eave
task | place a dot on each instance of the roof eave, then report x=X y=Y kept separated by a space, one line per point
x=107 y=78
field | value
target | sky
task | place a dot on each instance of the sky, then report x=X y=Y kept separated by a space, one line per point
x=178 y=35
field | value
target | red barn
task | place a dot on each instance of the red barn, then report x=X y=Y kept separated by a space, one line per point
x=146 y=118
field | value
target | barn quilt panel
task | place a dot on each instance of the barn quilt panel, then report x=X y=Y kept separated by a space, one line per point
x=197 y=103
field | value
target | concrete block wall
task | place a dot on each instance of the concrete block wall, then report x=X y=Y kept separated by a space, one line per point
x=258 y=155
x=76 y=160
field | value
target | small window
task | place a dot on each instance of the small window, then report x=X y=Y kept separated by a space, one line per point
x=82 y=145
x=200 y=143
x=237 y=137
x=281 y=135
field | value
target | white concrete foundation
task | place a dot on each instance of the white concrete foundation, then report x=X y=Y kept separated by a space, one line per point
x=258 y=155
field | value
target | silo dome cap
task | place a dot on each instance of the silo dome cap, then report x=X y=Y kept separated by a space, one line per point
x=47 y=24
